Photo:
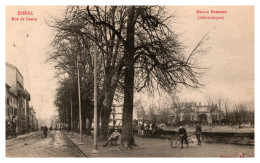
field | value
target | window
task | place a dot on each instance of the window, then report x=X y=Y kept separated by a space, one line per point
x=8 y=112
x=192 y=117
x=15 y=111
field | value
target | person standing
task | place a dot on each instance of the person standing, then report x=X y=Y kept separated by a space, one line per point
x=147 y=127
x=142 y=129
x=198 y=133
x=151 y=129
x=183 y=136
x=139 y=129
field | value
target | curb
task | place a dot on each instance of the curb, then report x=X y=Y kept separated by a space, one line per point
x=75 y=146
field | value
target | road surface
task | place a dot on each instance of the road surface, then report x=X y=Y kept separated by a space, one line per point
x=35 y=145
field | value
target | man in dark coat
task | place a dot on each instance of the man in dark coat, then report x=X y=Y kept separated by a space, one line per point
x=198 y=133
x=45 y=131
x=183 y=136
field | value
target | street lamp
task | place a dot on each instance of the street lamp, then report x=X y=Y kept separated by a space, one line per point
x=95 y=148
x=71 y=116
x=80 y=120
x=67 y=120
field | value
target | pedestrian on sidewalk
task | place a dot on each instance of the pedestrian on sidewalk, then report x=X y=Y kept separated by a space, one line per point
x=198 y=132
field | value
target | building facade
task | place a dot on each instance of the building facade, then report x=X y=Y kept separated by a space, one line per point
x=18 y=99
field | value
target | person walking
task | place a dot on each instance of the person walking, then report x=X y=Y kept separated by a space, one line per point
x=198 y=133
x=45 y=131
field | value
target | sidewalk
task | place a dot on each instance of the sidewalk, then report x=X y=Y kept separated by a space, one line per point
x=87 y=147
x=152 y=147
x=23 y=135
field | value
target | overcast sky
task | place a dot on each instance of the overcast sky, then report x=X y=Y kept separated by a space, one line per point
x=230 y=60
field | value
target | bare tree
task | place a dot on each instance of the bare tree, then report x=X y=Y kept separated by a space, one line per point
x=77 y=25
x=219 y=108
x=226 y=106
x=137 y=50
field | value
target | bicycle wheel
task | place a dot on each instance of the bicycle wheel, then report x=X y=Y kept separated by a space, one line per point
x=175 y=143
x=192 y=142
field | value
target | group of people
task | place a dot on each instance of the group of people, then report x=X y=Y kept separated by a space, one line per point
x=151 y=129
x=148 y=130
x=184 y=136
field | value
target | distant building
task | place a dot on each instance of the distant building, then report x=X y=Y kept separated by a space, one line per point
x=187 y=112
x=191 y=112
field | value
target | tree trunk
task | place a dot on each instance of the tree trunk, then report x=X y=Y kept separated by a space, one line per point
x=105 y=114
x=106 y=111
x=98 y=122
x=127 y=140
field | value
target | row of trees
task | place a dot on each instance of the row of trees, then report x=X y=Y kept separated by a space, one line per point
x=136 y=49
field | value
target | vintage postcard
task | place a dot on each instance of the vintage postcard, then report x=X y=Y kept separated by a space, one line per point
x=129 y=81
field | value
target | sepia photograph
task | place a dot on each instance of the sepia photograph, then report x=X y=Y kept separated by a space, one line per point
x=129 y=81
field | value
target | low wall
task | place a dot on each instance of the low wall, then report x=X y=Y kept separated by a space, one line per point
x=216 y=137
x=229 y=138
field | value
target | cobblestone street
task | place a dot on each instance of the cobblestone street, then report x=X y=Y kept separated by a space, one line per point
x=35 y=145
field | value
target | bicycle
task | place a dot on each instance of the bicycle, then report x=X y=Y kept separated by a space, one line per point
x=192 y=142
